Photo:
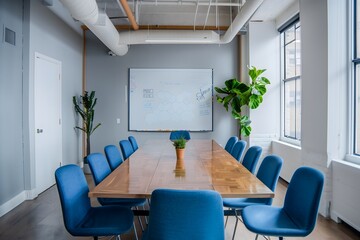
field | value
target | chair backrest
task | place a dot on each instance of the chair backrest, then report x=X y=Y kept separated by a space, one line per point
x=99 y=167
x=126 y=149
x=251 y=158
x=302 y=197
x=230 y=143
x=73 y=192
x=269 y=172
x=133 y=142
x=179 y=134
x=113 y=156
x=238 y=149
x=186 y=214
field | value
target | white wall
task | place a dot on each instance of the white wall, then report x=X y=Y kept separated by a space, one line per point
x=325 y=74
x=264 y=49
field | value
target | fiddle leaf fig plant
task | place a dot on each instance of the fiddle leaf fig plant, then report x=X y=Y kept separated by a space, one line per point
x=237 y=94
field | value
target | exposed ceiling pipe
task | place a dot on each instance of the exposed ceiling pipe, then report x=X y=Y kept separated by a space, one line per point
x=87 y=12
x=246 y=12
x=193 y=37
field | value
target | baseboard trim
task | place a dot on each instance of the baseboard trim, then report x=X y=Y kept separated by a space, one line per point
x=17 y=200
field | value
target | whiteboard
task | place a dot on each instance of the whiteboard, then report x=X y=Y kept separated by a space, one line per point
x=170 y=99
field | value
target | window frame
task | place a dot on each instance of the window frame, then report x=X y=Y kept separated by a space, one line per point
x=292 y=23
x=354 y=156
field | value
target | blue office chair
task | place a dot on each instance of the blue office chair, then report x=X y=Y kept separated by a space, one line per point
x=185 y=214
x=133 y=142
x=230 y=143
x=268 y=173
x=251 y=158
x=297 y=218
x=80 y=219
x=126 y=149
x=179 y=134
x=238 y=149
x=113 y=156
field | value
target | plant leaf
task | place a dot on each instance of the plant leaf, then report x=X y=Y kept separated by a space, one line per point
x=221 y=90
x=264 y=80
x=261 y=89
x=235 y=104
x=254 y=101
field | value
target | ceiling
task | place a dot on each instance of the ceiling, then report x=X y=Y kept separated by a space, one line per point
x=170 y=13
x=199 y=13
x=121 y=23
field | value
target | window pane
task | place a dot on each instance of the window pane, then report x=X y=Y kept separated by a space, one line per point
x=298 y=52
x=298 y=108
x=357 y=29
x=289 y=34
x=357 y=111
x=290 y=59
x=289 y=109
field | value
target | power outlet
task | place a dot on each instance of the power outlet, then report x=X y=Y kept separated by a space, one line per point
x=118 y=121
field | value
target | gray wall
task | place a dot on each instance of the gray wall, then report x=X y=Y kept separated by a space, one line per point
x=108 y=76
x=43 y=32
x=11 y=152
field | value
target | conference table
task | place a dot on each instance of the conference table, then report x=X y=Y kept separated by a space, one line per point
x=206 y=165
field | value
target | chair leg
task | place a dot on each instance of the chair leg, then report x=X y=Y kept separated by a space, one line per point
x=135 y=232
x=281 y=238
x=227 y=217
x=139 y=219
x=117 y=237
x=257 y=235
x=95 y=238
x=236 y=223
x=140 y=222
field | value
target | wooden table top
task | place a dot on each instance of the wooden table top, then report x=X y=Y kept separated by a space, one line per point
x=206 y=165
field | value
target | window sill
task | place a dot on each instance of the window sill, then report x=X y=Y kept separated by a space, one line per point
x=352 y=159
x=290 y=142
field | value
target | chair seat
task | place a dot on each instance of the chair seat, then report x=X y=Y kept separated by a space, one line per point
x=270 y=221
x=104 y=220
x=123 y=202
x=240 y=203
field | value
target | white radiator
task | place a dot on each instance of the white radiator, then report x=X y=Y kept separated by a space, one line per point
x=291 y=155
x=346 y=193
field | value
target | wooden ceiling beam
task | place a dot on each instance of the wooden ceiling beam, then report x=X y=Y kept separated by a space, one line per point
x=129 y=14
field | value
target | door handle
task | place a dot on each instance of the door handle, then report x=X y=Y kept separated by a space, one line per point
x=39 y=130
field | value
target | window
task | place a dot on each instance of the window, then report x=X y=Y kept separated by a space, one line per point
x=356 y=88
x=291 y=81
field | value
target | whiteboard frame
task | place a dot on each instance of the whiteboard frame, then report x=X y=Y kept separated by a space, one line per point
x=212 y=100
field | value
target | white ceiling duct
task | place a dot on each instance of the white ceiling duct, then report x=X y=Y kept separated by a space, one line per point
x=87 y=12
x=99 y=23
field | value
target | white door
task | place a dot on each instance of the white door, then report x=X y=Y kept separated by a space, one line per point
x=48 y=130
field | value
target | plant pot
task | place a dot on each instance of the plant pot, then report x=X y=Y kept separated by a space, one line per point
x=180 y=153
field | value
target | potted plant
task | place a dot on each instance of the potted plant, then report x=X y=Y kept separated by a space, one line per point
x=179 y=145
x=84 y=106
x=238 y=94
